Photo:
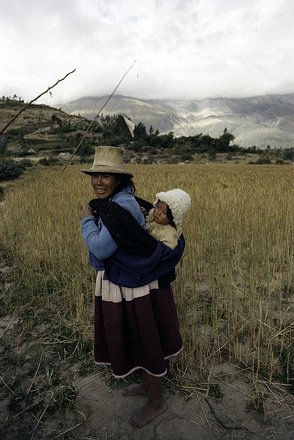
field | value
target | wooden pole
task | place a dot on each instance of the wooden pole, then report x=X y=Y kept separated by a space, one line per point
x=33 y=100
x=96 y=116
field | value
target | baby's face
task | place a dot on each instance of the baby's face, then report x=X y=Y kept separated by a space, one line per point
x=160 y=213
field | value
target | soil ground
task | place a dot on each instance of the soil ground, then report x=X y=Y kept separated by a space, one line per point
x=234 y=408
x=101 y=411
x=198 y=417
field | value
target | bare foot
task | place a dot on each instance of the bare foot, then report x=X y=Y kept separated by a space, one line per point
x=146 y=414
x=136 y=389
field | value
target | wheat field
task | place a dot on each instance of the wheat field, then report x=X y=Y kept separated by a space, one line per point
x=235 y=283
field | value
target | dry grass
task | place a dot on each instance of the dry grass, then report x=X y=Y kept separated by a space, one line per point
x=235 y=285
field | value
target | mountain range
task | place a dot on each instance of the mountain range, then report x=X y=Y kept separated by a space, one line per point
x=259 y=120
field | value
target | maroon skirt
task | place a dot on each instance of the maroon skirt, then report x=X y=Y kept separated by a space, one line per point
x=135 y=328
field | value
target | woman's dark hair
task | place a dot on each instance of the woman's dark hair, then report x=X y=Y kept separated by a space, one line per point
x=125 y=182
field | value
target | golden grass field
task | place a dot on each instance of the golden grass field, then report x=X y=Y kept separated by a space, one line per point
x=235 y=283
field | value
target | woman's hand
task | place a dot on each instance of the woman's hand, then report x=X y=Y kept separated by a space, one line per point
x=86 y=211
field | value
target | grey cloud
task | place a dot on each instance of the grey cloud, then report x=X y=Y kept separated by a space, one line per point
x=204 y=47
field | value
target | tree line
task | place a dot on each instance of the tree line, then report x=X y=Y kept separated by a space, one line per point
x=114 y=131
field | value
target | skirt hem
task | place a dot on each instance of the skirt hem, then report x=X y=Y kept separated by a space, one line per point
x=122 y=376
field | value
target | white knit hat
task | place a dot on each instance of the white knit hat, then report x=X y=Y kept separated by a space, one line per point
x=179 y=203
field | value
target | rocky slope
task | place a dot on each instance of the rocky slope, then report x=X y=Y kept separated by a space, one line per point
x=261 y=120
x=39 y=127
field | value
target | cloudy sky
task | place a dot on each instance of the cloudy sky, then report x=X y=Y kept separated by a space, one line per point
x=184 y=48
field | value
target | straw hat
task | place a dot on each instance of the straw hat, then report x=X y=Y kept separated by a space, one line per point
x=179 y=203
x=107 y=160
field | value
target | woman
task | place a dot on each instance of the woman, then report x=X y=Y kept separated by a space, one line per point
x=135 y=320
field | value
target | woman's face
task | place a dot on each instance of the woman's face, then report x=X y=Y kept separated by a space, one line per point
x=104 y=184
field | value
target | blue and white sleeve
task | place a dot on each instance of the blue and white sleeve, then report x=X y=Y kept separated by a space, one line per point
x=97 y=240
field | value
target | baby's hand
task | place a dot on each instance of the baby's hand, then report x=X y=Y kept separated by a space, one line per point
x=144 y=211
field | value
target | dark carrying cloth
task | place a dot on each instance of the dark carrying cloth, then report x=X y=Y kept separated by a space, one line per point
x=128 y=270
x=124 y=268
x=123 y=227
x=144 y=203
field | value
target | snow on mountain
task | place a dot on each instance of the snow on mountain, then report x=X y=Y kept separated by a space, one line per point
x=261 y=120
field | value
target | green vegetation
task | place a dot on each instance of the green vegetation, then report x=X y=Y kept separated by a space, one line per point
x=45 y=131
x=235 y=284
x=9 y=169
x=234 y=289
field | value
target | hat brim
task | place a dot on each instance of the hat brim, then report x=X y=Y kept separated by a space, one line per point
x=106 y=170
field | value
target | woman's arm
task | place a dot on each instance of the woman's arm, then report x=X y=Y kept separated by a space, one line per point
x=97 y=239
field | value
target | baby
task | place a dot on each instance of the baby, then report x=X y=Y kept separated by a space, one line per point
x=164 y=221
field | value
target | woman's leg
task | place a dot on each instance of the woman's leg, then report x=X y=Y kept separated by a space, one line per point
x=155 y=404
x=136 y=389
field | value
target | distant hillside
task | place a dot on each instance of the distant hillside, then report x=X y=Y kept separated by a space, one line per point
x=33 y=118
x=39 y=128
x=261 y=120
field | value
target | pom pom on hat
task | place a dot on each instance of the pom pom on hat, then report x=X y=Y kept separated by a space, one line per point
x=179 y=203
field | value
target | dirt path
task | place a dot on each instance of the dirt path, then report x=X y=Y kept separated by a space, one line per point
x=100 y=412
x=229 y=417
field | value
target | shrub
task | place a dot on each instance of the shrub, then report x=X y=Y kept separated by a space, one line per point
x=9 y=169
x=48 y=161
x=25 y=163
x=3 y=143
x=263 y=160
x=1 y=193
x=186 y=156
x=86 y=149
